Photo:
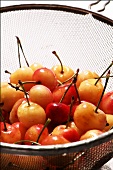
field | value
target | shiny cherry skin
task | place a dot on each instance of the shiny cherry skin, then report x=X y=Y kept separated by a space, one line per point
x=59 y=92
x=67 y=132
x=86 y=118
x=107 y=103
x=54 y=140
x=33 y=132
x=57 y=112
x=90 y=134
x=11 y=135
x=45 y=77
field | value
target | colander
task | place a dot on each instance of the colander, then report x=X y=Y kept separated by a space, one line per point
x=83 y=39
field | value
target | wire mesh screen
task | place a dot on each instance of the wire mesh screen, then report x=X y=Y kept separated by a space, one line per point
x=82 y=42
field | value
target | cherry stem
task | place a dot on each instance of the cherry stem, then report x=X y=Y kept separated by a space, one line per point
x=45 y=125
x=5 y=128
x=15 y=87
x=103 y=77
x=19 y=44
x=104 y=72
x=60 y=83
x=74 y=82
x=71 y=106
x=21 y=84
x=65 y=92
x=32 y=142
x=107 y=78
x=31 y=82
x=62 y=70
x=7 y=72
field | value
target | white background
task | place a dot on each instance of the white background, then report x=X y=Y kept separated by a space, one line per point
x=82 y=4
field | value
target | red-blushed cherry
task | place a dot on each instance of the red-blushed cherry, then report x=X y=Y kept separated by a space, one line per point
x=9 y=134
x=90 y=134
x=54 y=140
x=41 y=95
x=20 y=126
x=62 y=72
x=9 y=96
x=87 y=118
x=67 y=132
x=57 y=112
x=13 y=114
x=71 y=124
x=106 y=103
x=59 y=92
x=46 y=77
x=33 y=132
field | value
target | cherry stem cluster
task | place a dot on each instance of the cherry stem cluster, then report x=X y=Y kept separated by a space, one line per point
x=15 y=87
x=21 y=84
x=73 y=82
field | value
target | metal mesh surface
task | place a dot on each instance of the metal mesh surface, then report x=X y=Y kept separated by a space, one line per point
x=82 y=42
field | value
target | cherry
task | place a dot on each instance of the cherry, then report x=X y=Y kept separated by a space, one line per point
x=62 y=72
x=87 y=116
x=46 y=77
x=20 y=126
x=57 y=112
x=9 y=96
x=30 y=113
x=67 y=132
x=41 y=95
x=13 y=114
x=35 y=66
x=91 y=134
x=90 y=92
x=24 y=74
x=109 y=118
x=106 y=103
x=54 y=140
x=58 y=93
x=84 y=75
x=33 y=132
x=9 y=134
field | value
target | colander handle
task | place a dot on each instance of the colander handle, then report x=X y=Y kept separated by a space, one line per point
x=108 y=1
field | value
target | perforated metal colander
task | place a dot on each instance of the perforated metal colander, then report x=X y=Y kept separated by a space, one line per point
x=84 y=40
